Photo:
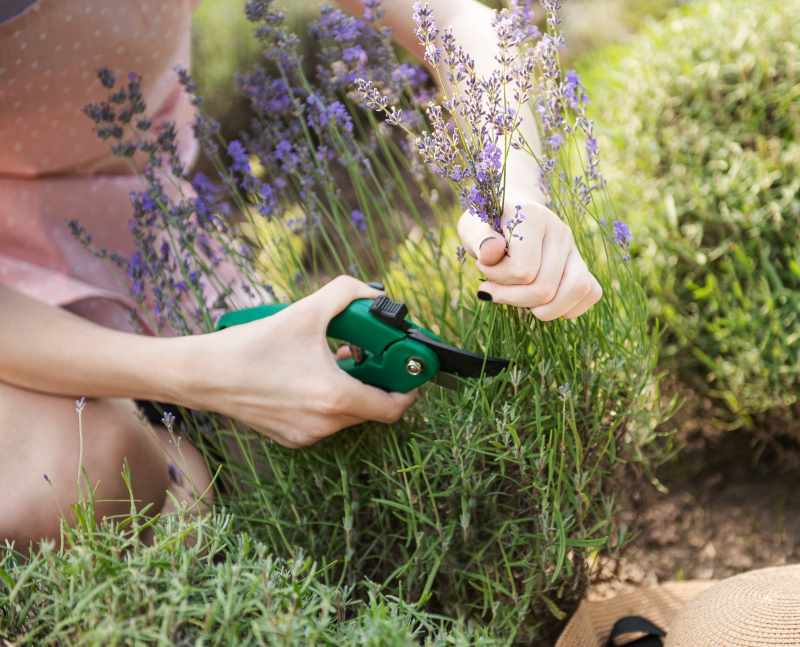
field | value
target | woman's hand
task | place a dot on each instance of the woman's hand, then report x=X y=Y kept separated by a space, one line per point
x=537 y=266
x=278 y=375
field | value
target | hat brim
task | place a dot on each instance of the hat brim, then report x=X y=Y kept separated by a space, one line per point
x=592 y=622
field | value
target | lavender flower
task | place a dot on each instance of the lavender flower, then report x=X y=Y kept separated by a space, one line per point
x=168 y=420
x=107 y=78
x=490 y=164
x=573 y=90
x=472 y=155
x=426 y=31
x=241 y=161
x=515 y=221
x=524 y=20
x=351 y=48
x=358 y=219
x=622 y=234
x=373 y=10
x=556 y=141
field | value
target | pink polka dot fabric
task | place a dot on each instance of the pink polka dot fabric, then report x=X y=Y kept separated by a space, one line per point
x=52 y=166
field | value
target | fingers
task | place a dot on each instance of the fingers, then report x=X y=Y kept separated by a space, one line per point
x=594 y=295
x=481 y=240
x=335 y=296
x=370 y=403
x=552 y=295
x=576 y=285
x=518 y=288
x=345 y=404
x=523 y=259
x=358 y=402
x=557 y=249
x=344 y=352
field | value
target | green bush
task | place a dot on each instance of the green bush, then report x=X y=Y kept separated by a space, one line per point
x=225 y=589
x=703 y=112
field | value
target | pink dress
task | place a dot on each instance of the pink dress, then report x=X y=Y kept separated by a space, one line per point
x=53 y=168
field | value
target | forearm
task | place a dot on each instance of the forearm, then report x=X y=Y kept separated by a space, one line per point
x=471 y=23
x=47 y=349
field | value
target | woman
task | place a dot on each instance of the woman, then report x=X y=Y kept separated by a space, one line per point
x=65 y=331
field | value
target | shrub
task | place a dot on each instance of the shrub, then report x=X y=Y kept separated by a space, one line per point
x=220 y=589
x=704 y=116
x=487 y=503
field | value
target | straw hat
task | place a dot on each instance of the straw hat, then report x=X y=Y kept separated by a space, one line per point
x=755 y=609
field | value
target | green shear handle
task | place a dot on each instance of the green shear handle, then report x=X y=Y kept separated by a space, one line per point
x=389 y=359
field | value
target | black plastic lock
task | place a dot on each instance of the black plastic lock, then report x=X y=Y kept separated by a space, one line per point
x=390 y=312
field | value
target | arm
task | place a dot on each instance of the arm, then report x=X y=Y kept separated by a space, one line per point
x=50 y=350
x=276 y=375
x=542 y=271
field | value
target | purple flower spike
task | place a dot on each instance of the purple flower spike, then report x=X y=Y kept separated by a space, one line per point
x=168 y=419
x=574 y=92
x=358 y=220
x=491 y=163
x=556 y=141
x=106 y=77
x=427 y=32
x=241 y=162
x=80 y=404
x=622 y=234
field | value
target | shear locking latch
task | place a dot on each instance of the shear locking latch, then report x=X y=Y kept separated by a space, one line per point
x=390 y=312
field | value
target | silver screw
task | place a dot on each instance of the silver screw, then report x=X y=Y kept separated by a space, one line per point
x=414 y=366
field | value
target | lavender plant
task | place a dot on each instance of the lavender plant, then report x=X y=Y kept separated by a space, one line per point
x=488 y=502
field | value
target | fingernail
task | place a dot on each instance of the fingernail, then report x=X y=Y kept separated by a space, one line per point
x=488 y=238
x=484 y=296
x=376 y=285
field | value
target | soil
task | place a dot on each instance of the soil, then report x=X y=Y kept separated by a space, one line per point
x=724 y=506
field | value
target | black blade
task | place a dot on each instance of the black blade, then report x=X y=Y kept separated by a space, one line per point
x=460 y=362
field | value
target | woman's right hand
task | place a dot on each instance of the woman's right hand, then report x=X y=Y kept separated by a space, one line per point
x=279 y=376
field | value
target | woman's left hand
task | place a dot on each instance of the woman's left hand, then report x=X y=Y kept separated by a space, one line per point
x=538 y=266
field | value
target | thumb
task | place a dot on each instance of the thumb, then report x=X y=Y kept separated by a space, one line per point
x=335 y=296
x=481 y=240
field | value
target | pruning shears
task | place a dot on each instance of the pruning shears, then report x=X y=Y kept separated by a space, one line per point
x=388 y=351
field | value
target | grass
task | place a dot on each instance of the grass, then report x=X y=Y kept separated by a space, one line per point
x=199 y=583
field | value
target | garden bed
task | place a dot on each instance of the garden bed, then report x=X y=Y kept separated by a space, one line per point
x=717 y=515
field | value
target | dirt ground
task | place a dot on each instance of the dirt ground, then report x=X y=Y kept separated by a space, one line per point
x=721 y=513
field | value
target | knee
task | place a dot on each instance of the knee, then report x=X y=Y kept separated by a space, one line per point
x=42 y=485
x=116 y=442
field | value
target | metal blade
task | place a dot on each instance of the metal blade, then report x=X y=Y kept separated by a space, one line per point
x=447 y=380
x=460 y=362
